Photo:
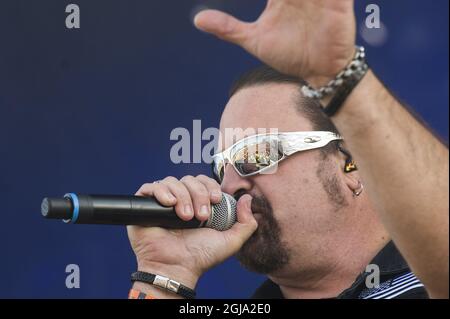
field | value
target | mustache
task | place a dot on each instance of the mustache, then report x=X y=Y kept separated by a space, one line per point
x=259 y=203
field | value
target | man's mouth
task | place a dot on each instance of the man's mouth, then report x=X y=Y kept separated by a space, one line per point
x=257 y=207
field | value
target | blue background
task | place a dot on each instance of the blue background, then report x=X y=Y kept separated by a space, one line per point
x=91 y=111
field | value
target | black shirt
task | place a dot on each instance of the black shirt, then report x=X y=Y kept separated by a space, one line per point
x=396 y=281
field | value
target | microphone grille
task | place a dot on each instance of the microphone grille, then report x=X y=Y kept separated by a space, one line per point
x=223 y=215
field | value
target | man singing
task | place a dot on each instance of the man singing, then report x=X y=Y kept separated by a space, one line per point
x=315 y=223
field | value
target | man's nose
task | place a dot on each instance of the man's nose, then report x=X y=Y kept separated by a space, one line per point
x=233 y=182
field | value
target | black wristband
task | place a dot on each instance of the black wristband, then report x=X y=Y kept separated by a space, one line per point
x=342 y=94
x=163 y=282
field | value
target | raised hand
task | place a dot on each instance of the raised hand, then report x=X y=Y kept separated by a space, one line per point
x=312 y=39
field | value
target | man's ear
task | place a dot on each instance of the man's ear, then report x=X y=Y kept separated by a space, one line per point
x=349 y=169
x=353 y=181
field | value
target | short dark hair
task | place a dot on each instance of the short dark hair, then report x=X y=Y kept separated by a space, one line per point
x=310 y=108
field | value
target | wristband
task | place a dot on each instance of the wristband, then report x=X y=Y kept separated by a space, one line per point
x=356 y=68
x=342 y=94
x=164 y=282
x=342 y=85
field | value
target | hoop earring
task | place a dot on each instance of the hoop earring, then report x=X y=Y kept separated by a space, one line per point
x=359 y=190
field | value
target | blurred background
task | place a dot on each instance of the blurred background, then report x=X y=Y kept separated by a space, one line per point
x=90 y=110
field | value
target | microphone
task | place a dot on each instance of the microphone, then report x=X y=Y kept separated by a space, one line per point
x=133 y=210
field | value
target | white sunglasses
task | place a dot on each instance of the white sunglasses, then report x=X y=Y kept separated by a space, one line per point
x=257 y=154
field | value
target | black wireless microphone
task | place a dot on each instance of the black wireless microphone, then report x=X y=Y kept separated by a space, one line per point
x=133 y=210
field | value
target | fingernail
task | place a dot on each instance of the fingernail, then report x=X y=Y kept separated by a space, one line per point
x=188 y=210
x=204 y=211
x=170 y=197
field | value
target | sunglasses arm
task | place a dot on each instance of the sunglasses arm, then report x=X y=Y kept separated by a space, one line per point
x=293 y=143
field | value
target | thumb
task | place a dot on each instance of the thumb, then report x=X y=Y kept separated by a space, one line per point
x=223 y=26
x=244 y=227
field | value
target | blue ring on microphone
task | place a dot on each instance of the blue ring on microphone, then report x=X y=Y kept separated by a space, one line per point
x=76 y=207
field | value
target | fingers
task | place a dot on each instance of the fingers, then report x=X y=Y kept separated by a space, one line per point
x=223 y=26
x=213 y=188
x=200 y=197
x=183 y=207
x=191 y=196
x=245 y=226
x=159 y=191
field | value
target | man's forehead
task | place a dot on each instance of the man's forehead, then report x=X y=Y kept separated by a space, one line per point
x=261 y=109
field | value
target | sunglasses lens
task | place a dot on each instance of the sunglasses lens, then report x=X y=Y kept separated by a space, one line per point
x=252 y=158
x=218 y=169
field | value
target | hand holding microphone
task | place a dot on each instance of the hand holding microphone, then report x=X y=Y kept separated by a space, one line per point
x=185 y=254
x=172 y=249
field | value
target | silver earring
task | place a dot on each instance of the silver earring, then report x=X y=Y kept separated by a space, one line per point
x=359 y=190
